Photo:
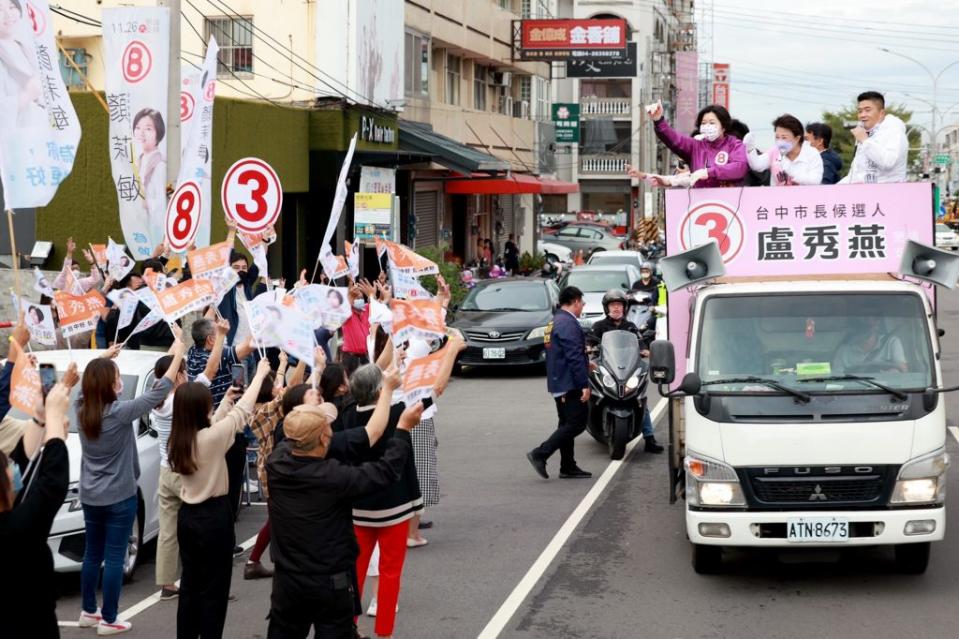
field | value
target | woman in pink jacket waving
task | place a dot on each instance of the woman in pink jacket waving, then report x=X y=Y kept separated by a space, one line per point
x=715 y=160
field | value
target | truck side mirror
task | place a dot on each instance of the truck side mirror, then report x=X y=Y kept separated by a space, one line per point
x=662 y=362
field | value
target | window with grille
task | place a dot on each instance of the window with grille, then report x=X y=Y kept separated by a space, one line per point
x=480 y=83
x=454 y=66
x=235 y=37
x=71 y=77
x=417 y=64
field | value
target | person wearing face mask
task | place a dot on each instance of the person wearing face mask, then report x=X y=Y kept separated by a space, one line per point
x=71 y=271
x=715 y=160
x=197 y=451
x=819 y=135
x=790 y=162
x=109 y=470
x=614 y=305
x=27 y=599
x=245 y=290
x=881 y=144
x=354 y=352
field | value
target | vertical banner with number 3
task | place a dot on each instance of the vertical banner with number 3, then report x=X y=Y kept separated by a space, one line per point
x=136 y=52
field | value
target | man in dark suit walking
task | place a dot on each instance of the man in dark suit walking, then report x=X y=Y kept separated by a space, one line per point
x=567 y=370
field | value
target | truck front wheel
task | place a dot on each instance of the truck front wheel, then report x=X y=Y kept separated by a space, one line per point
x=912 y=559
x=707 y=560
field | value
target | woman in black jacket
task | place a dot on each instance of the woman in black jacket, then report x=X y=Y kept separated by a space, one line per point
x=27 y=598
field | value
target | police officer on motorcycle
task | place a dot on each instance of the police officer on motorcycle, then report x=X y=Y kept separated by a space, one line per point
x=615 y=303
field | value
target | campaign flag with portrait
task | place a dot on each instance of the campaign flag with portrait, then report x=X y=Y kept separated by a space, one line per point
x=417 y=318
x=325 y=306
x=136 y=44
x=119 y=264
x=26 y=390
x=39 y=128
x=38 y=319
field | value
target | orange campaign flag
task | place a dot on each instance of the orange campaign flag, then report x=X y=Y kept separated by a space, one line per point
x=191 y=295
x=99 y=255
x=209 y=259
x=25 y=389
x=78 y=313
x=421 y=374
x=405 y=259
x=417 y=318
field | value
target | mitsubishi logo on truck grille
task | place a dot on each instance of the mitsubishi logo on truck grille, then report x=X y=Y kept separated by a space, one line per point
x=817 y=494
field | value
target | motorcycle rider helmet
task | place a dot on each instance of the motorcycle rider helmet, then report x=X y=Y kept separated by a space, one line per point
x=614 y=295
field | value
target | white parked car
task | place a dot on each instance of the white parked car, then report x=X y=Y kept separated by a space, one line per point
x=67 y=534
x=946 y=238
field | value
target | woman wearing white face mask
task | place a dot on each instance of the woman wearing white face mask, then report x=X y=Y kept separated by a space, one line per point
x=109 y=469
x=790 y=162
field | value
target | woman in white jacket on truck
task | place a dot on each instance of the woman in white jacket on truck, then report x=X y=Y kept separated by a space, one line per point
x=790 y=161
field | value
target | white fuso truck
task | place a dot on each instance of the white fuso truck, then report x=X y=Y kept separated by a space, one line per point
x=810 y=413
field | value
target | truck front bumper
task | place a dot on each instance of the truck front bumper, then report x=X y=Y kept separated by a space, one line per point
x=768 y=529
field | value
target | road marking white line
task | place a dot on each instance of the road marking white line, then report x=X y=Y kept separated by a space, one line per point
x=540 y=566
x=955 y=432
x=137 y=608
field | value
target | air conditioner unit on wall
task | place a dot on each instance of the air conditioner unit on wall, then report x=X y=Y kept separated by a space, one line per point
x=501 y=79
x=521 y=109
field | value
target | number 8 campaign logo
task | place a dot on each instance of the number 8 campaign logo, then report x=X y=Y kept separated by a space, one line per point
x=713 y=221
x=137 y=62
x=251 y=194
x=183 y=215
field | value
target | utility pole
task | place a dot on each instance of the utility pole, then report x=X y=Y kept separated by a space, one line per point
x=173 y=105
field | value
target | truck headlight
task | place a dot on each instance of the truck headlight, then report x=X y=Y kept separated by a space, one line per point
x=922 y=480
x=72 y=500
x=537 y=333
x=712 y=483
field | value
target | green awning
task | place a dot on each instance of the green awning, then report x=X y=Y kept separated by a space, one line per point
x=420 y=138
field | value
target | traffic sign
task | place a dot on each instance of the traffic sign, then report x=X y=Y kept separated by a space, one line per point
x=943 y=159
x=251 y=194
x=183 y=215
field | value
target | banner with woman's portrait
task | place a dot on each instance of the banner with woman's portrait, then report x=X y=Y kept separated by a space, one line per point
x=39 y=129
x=136 y=53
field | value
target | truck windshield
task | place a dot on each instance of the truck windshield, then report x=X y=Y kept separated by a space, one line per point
x=801 y=340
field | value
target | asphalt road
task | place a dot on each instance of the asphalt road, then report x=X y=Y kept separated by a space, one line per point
x=624 y=570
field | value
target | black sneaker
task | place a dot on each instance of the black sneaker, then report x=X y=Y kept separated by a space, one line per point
x=166 y=594
x=575 y=473
x=238 y=550
x=426 y=525
x=650 y=445
x=539 y=465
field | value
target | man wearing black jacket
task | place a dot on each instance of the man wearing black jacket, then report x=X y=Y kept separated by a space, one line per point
x=313 y=544
x=819 y=136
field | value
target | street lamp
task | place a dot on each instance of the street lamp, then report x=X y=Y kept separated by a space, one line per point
x=935 y=88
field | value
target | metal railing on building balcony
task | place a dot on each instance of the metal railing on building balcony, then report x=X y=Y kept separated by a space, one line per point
x=593 y=107
x=605 y=164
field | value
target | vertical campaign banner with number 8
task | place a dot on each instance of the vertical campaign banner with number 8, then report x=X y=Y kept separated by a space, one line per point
x=251 y=194
x=183 y=215
x=136 y=53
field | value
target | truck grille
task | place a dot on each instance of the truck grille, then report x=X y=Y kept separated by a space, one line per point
x=815 y=488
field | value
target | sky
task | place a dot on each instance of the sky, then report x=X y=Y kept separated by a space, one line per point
x=806 y=56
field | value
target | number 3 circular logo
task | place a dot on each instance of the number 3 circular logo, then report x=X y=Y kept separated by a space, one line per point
x=137 y=62
x=183 y=215
x=251 y=194
x=713 y=221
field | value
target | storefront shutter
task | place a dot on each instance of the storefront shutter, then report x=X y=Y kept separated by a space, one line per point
x=427 y=214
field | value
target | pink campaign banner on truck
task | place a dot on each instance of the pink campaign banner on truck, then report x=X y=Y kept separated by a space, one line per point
x=794 y=231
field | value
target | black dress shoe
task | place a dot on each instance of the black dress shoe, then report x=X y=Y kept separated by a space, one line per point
x=539 y=465
x=426 y=525
x=575 y=473
x=650 y=445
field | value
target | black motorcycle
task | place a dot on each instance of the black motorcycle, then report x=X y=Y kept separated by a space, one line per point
x=617 y=392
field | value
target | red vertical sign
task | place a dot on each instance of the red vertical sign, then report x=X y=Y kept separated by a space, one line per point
x=721 y=84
